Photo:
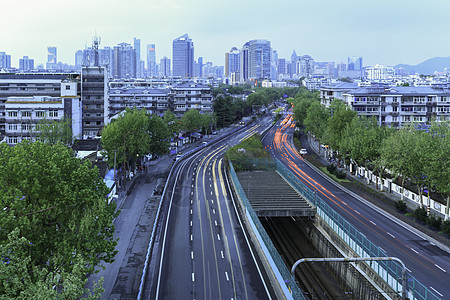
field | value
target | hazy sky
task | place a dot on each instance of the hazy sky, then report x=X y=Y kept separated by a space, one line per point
x=381 y=31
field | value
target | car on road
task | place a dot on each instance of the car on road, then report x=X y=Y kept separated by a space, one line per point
x=179 y=155
x=303 y=151
x=204 y=143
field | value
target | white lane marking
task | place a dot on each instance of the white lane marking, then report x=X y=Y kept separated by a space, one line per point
x=357 y=212
x=191 y=201
x=218 y=237
x=211 y=193
x=214 y=211
x=191 y=223
x=414 y=251
x=382 y=250
x=344 y=203
x=191 y=237
x=391 y=235
x=440 y=268
x=373 y=222
x=192 y=193
x=436 y=291
x=192 y=185
x=221 y=253
x=212 y=201
x=191 y=211
x=226 y=275
x=209 y=179
x=193 y=278
x=192 y=254
x=408 y=270
x=293 y=219
x=210 y=185
x=215 y=222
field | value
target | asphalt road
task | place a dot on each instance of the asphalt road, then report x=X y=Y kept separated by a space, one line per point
x=202 y=249
x=425 y=261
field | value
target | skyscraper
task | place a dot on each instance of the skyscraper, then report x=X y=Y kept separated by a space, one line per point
x=232 y=60
x=354 y=63
x=52 y=58
x=124 y=61
x=243 y=57
x=137 y=47
x=164 y=67
x=151 y=60
x=5 y=60
x=259 y=59
x=26 y=64
x=79 y=58
x=183 y=57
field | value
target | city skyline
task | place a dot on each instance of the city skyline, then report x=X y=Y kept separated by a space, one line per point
x=381 y=32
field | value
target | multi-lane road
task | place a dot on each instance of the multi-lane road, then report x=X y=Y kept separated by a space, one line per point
x=204 y=252
x=426 y=261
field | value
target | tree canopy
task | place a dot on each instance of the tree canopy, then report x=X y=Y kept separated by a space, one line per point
x=55 y=223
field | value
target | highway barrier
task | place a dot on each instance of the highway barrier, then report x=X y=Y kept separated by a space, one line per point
x=259 y=231
x=390 y=272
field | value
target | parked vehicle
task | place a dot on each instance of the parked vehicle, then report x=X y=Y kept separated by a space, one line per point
x=303 y=151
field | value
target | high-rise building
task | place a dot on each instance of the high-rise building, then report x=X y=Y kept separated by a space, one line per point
x=183 y=57
x=200 y=66
x=5 y=60
x=79 y=59
x=164 y=67
x=124 y=61
x=281 y=66
x=243 y=62
x=259 y=59
x=354 y=63
x=151 y=60
x=52 y=58
x=26 y=64
x=94 y=100
x=232 y=61
x=306 y=65
x=137 y=47
x=273 y=65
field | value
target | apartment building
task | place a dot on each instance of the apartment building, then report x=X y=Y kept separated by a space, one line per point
x=29 y=85
x=191 y=95
x=155 y=101
x=398 y=106
x=23 y=113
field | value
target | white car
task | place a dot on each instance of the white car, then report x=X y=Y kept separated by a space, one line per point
x=303 y=151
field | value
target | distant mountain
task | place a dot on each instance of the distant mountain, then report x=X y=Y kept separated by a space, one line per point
x=428 y=67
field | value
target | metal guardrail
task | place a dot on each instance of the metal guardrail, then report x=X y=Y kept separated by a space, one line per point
x=390 y=272
x=282 y=268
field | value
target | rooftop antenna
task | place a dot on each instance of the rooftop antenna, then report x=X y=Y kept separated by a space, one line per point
x=95 y=44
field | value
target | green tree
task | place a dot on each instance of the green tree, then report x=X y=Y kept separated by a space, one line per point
x=172 y=121
x=54 y=208
x=53 y=132
x=191 y=121
x=160 y=134
x=341 y=116
x=316 y=120
x=224 y=111
x=129 y=135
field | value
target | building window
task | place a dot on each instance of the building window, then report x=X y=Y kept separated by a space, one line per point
x=12 y=127
x=26 y=127
x=26 y=114
x=40 y=114
x=13 y=140
x=53 y=113
x=67 y=87
x=12 y=113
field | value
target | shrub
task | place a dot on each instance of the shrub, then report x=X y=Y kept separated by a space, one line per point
x=340 y=174
x=446 y=227
x=421 y=214
x=401 y=206
x=331 y=168
x=434 y=222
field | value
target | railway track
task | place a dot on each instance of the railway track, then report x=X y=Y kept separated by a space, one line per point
x=290 y=238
